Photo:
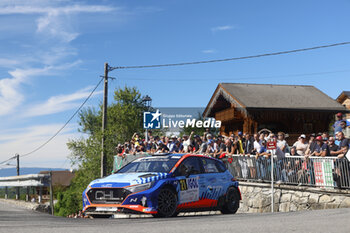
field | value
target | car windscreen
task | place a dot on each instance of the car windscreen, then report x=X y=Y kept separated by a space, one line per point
x=150 y=164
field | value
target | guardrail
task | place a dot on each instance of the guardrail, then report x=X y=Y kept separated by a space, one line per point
x=326 y=172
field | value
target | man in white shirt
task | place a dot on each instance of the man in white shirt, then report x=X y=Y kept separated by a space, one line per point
x=301 y=145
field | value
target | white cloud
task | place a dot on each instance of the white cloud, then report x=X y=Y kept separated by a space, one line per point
x=25 y=140
x=209 y=51
x=30 y=9
x=11 y=95
x=60 y=103
x=4 y=62
x=222 y=28
x=54 y=21
x=10 y=88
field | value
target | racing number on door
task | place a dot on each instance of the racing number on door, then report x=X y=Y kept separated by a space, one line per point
x=183 y=185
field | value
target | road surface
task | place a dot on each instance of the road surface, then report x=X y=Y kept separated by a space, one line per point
x=16 y=219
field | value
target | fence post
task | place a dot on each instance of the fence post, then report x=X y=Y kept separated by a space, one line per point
x=6 y=192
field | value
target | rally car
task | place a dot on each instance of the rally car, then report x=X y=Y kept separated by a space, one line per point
x=163 y=186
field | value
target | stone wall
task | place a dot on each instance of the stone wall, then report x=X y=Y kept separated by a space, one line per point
x=256 y=198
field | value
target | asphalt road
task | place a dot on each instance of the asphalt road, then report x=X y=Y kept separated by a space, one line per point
x=16 y=219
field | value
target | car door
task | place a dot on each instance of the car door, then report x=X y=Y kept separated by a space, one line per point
x=189 y=176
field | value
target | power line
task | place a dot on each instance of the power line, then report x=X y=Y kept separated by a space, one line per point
x=75 y=113
x=244 y=78
x=231 y=59
x=7 y=160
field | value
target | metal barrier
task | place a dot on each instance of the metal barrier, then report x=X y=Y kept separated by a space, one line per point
x=329 y=172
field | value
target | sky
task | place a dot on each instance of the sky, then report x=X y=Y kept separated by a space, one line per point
x=53 y=54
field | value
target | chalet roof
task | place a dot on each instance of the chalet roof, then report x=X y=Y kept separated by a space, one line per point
x=268 y=96
x=344 y=94
x=60 y=177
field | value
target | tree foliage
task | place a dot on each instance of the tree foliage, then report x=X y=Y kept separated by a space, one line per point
x=124 y=117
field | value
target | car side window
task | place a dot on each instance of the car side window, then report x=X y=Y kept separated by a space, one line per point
x=220 y=165
x=210 y=165
x=191 y=165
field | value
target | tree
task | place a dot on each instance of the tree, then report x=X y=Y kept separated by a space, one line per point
x=124 y=117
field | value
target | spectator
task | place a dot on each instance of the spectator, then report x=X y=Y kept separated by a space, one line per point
x=312 y=144
x=257 y=143
x=322 y=148
x=336 y=126
x=187 y=142
x=333 y=148
x=341 y=176
x=301 y=145
x=343 y=145
x=281 y=142
x=239 y=143
x=248 y=144
x=219 y=147
x=172 y=144
x=325 y=136
x=197 y=143
x=261 y=161
x=345 y=129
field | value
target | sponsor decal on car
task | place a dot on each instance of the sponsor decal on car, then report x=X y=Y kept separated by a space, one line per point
x=189 y=190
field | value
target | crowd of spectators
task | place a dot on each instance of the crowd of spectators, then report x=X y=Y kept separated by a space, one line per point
x=257 y=156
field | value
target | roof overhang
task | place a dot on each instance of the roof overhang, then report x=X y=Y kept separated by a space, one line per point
x=221 y=91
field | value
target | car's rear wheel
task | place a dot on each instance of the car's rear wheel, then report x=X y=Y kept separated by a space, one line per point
x=167 y=203
x=232 y=201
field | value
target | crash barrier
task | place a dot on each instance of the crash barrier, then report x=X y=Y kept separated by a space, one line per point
x=325 y=172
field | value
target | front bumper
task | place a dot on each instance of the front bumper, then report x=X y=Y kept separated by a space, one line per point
x=105 y=209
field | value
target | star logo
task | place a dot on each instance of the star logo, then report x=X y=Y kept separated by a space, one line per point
x=151 y=120
x=156 y=115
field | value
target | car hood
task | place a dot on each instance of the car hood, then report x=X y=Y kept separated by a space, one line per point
x=126 y=179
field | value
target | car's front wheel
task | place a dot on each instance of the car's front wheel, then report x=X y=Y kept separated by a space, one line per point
x=232 y=201
x=167 y=203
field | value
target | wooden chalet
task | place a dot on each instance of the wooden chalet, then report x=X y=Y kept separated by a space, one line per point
x=293 y=109
x=344 y=99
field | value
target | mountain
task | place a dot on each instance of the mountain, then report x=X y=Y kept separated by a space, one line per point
x=26 y=170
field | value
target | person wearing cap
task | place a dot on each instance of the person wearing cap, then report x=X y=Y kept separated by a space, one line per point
x=322 y=149
x=172 y=144
x=240 y=143
x=336 y=126
x=301 y=145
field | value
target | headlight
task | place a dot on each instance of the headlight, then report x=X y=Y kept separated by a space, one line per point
x=139 y=187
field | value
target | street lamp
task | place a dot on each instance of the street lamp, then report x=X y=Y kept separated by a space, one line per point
x=147 y=100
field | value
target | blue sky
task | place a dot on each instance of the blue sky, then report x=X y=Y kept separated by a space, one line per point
x=53 y=52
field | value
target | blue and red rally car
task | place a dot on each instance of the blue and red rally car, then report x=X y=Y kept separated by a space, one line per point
x=163 y=186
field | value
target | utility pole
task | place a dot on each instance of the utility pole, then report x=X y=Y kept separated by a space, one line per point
x=104 y=122
x=52 y=207
x=17 y=189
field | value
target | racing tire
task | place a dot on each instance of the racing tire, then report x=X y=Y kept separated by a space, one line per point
x=232 y=201
x=167 y=203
